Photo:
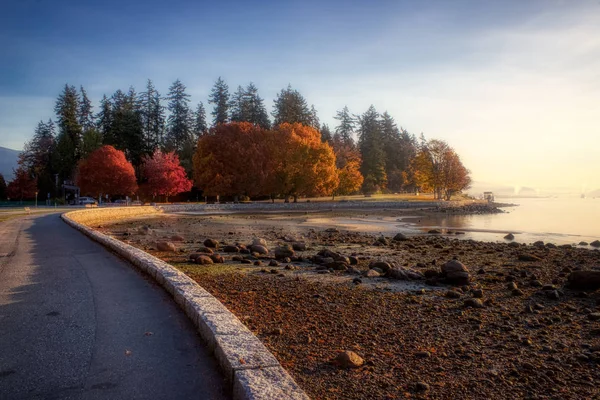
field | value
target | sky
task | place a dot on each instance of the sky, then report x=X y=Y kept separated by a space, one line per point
x=513 y=86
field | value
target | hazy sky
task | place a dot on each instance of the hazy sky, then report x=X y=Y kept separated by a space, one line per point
x=513 y=86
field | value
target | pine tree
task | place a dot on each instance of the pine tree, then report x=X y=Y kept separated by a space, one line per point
x=153 y=118
x=314 y=118
x=36 y=157
x=2 y=188
x=255 y=107
x=371 y=148
x=126 y=130
x=86 y=115
x=345 y=130
x=326 y=134
x=291 y=107
x=200 y=127
x=219 y=96
x=399 y=148
x=70 y=133
x=238 y=106
x=179 y=124
x=104 y=117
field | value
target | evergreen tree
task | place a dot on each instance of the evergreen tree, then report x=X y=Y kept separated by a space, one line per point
x=200 y=127
x=179 y=124
x=2 y=188
x=36 y=157
x=126 y=130
x=255 y=107
x=153 y=118
x=69 y=142
x=104 y=121
x=291 y=107
x=345 y=130
x=247 y=106
x=238 y=106
x=371 y=148
x=314 y=118
x=399 y=147
x=326 y=134
x=86 y=115
x=219 y=96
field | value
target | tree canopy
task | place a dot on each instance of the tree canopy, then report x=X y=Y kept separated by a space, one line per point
x=106 y=171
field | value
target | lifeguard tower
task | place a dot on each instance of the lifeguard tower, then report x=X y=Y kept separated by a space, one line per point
x=489 y=196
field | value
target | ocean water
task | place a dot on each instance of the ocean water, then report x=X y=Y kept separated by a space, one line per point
x=567 y=220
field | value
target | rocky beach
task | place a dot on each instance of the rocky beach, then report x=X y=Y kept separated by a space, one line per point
x=359 y=315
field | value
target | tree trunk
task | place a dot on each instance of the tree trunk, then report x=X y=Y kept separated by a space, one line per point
x=295 y=198
x=287 y=198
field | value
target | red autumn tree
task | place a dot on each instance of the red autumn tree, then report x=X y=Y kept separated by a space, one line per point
x=166 y=177
x=23 y=186
x=106 y=171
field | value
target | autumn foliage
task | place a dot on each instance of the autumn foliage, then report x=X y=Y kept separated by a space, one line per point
x=438 y=169
x=23 y=186
x=106 y=171
x=348 y=162
x=166 y=177
x=243 y=159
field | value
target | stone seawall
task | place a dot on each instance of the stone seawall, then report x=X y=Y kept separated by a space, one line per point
x=94 y=216
x=251 y=369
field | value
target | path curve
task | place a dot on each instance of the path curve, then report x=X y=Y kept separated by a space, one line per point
x=77 y=322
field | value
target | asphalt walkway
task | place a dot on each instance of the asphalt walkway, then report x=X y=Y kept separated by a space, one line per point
x=77 y=322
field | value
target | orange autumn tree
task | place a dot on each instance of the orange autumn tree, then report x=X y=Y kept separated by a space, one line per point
x=232 y=159
x=106 y=171
x=166 y=177
x=302 y=164
x=438 y=169
x=348 y=162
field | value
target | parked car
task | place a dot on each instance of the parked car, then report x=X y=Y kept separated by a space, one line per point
x=87 y=200
x=120 y=201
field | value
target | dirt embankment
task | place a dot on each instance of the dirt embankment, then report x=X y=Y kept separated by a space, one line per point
x=511 y=330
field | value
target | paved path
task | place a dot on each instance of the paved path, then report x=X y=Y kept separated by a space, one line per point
x=77 y=322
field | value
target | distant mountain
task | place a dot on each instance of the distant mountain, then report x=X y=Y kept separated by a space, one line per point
x=8 y=161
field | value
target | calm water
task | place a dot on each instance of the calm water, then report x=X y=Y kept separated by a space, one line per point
x=556 y=220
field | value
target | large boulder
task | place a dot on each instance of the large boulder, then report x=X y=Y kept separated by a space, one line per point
x=595 y=243
x=299 y=246
x=382 y=265
x=400 y=237
x=259 y=242
x=584 y=280
x=260 y=249
x=203 y=259
x=165 y=246
x=456 y=273
x=204 y=249
x=212 y=243
x=231 y=249
x=284 y=252
x=348 y=359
